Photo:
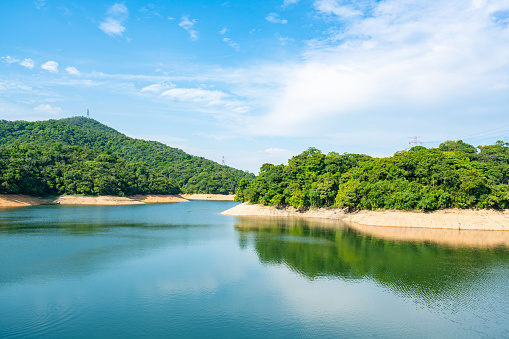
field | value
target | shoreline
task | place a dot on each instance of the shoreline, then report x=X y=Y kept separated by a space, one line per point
x=454 y=219
x=211 y=197
x=23 y=200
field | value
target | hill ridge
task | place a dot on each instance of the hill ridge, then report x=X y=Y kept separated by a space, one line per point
x=194 y=174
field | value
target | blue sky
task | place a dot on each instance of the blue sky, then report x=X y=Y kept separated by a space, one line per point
x=260 y=81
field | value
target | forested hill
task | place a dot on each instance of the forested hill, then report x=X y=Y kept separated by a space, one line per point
x=454 y=175
x=29 y=168
x=193 y=174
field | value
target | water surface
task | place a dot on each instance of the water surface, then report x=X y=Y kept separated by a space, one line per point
x=185 y=270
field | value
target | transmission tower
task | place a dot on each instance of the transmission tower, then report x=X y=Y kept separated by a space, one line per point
x=222 y=162
x=88 y=113
x=414 y=141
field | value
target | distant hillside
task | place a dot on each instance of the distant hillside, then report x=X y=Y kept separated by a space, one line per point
x=30 y=168
x=193 y=174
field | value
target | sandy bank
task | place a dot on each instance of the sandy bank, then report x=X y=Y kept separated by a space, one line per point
x=158 y=198
x=215 y=197
x=443 y=219
x=18 y=200
x=447 y=237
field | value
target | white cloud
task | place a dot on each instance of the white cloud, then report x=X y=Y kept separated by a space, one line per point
x=285 y=40
x=8 y=59
x=197 y=95
x=14 y=86
x=118 y=10
x=112 y=27
x=232 y=44
x=334 y=7
x=188 y=25
x=275 y=19
x=408 y=59
x=287 y=3
x=276 y=150
x=48 y=109
x=51 y=66
x=113 y=23
x=206 y=98
x=150 y=11
x=223 y=31
x=73 y=71
x=28 y=63
x=158 y=88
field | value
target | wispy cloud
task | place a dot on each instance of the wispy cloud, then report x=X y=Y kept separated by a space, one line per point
x=14 y=86
x=223 y=31
x=335 y=7
x=188 y=25
x=65 y=12
x=232 y=44
x=50 y=66
x=48 y=109
x=8 y=59
x=150 y=11
x=196 y=95
x=275 y=19
x=276 y=150
x=28 y=63
x=207 y=98
x=114 y=21
x=287 y=3
x=73 y=71
x=285 y=40
x=158 y=88
x=39 y=3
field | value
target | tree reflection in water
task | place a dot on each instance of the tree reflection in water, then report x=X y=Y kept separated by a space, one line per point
x=434 y=268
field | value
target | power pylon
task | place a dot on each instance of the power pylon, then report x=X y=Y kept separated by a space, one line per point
x=415 y=141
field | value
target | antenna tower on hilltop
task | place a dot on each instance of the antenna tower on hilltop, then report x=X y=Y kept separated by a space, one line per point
x=88 y=113
x=415 y=141
x=222 y=162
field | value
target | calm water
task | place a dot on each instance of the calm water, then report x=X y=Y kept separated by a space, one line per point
x=183 y=270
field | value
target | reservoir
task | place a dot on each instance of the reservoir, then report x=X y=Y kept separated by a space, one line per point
x=184 y=270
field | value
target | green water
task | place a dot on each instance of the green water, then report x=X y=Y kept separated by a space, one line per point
x=184 y=270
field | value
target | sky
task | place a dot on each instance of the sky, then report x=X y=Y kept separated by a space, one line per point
x=260 y=81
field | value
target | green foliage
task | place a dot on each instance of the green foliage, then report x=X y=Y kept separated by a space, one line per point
x=454 y=175
x=39 y=170
x=193 y=174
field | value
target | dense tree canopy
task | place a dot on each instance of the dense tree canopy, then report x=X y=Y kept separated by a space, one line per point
x=454 y=175
x=61 y=169
x=193 y=174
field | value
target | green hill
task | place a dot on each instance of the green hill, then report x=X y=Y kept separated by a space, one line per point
x=454 y=175
x=29 y=168
x=193 y=174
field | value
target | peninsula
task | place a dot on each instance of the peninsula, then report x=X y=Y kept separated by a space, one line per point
x=455 y=186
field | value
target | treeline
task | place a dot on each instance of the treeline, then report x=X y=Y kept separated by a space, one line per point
x=454 y=175
x=192 y=174
x=62 y=169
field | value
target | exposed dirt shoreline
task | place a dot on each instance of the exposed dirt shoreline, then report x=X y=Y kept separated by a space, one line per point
x=20 y=200
x=214 y=197
x=444 y=219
